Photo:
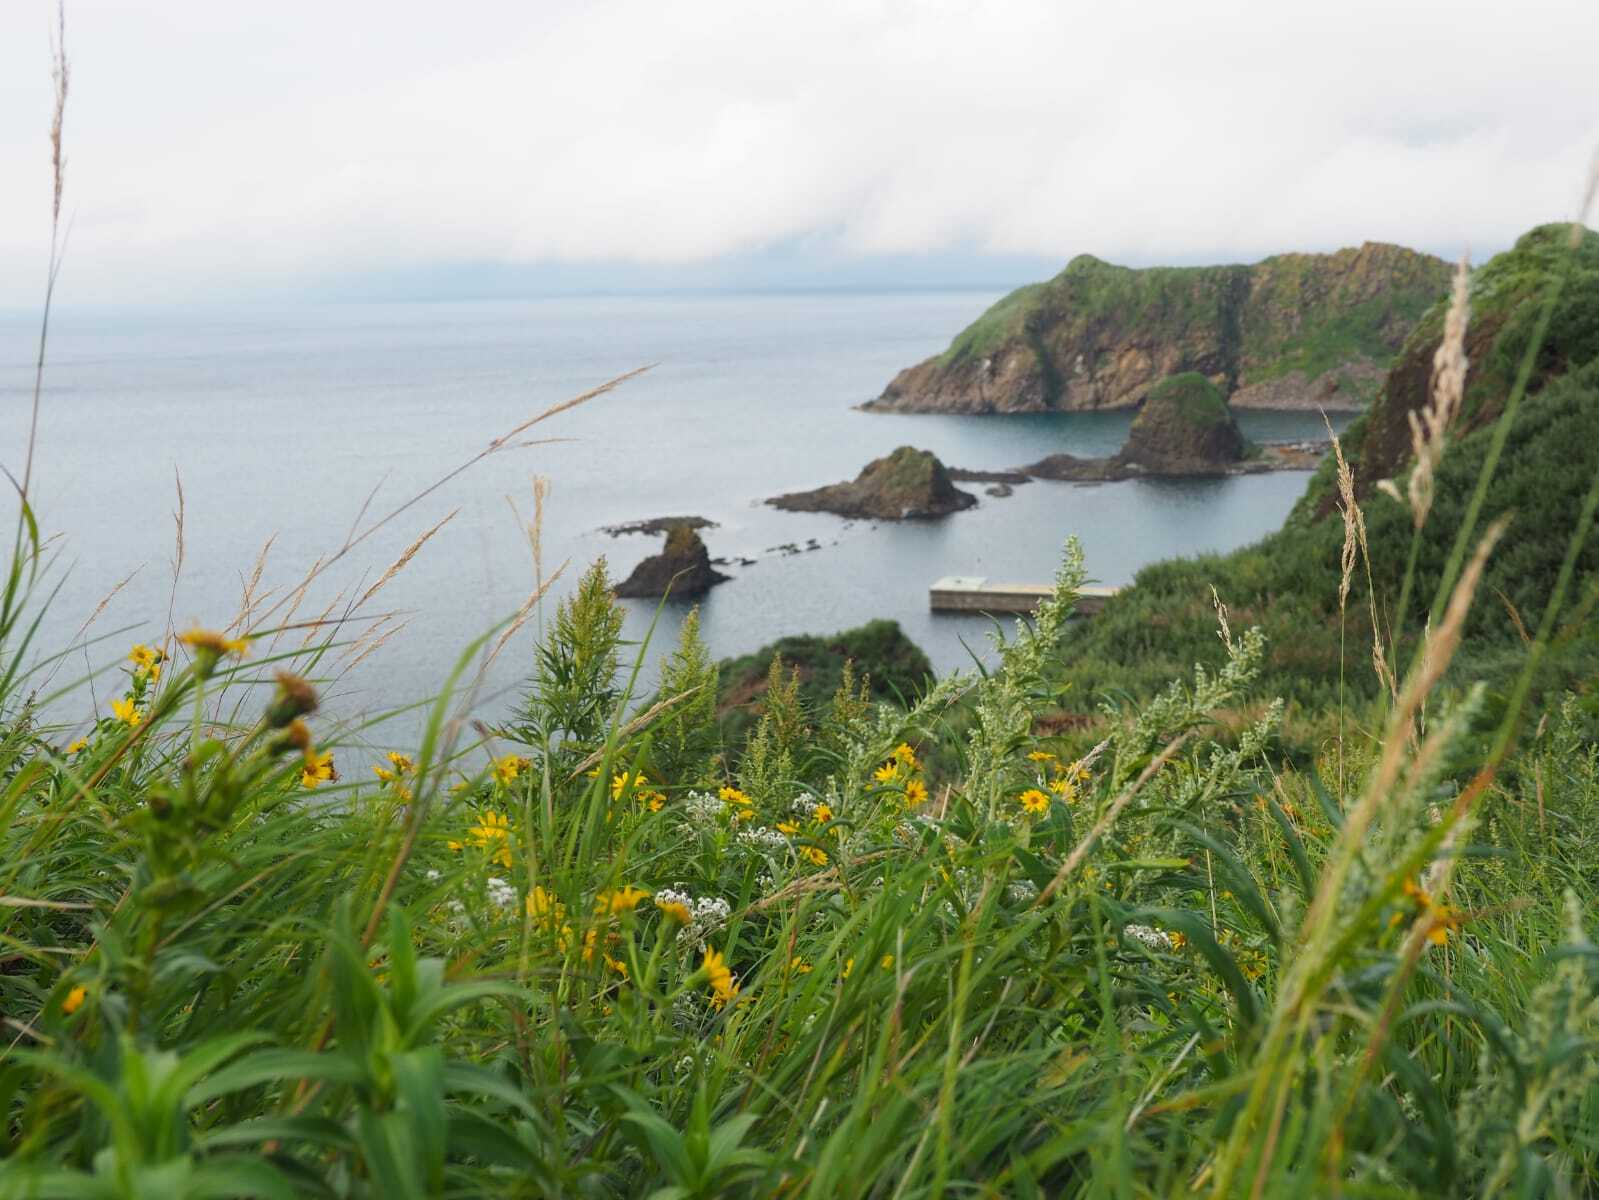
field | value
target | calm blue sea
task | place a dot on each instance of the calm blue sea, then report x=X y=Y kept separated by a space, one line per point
x=281 y=422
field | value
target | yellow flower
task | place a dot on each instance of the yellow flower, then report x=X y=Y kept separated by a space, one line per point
x=903 y=753
x=655 y=800
x=1177 y=940
x=493 y=833
x=719 y=977
x=849 y=965
x=125 y=712
x=624 y=899
x=799 y=966
x=508 y=768
x=787 y=827
x=543 y=907
x=1041 y=756
x=732 y=796
x=318 y=770
x=402 y=763
x=146 y=660
x=915 y=792
x=676 y=910
x=1064 y=788
x=1034 y=801
x=214 y=644
x=887 y=962
x=615 y=964
x=80 y=744
x=814 y=855
x=622 y=782
x=823 y=813
x=888 y=772
x=74 y=1000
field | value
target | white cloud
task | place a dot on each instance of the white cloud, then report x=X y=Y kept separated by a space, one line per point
x=221 y=148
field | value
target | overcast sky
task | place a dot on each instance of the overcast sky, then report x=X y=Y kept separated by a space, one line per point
x=221 y=149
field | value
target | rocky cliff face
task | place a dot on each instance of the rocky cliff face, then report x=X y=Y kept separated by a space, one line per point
x=908 y=483
x=1296 y=330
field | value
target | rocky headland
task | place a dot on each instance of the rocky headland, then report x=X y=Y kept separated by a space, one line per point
x=1293 y=331
x=682 y=569
x=905 y=485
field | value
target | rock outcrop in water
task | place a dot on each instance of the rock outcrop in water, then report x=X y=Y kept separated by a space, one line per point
x=682 y=569
x=906 y=484
x=1184 y=428
x=1293 y=331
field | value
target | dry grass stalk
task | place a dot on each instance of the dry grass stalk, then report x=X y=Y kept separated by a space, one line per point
x=399 y=564
x=373 y=644
x=248 y=599
x=1355 y=541
x=177 y=553
x=525 y=613
x=1430 y=429
x=643 y=720
x=1107 y=819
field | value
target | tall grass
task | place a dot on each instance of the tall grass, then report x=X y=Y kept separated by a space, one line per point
x=869 y=949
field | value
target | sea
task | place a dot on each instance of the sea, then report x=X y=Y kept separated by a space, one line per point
x=300 y=427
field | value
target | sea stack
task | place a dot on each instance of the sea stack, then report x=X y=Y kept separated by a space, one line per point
x=907 y=484
x=1184 y=428
x=682 y=569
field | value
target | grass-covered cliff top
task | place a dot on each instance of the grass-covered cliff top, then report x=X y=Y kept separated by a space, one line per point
x=1291 y=312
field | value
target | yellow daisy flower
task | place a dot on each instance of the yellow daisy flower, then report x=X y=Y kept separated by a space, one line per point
x=125 y=712
x=719 y=978
x=1034 y=801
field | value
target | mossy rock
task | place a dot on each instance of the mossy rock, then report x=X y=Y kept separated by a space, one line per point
x=1185 y=426
x=682 y=570
x=907 y=484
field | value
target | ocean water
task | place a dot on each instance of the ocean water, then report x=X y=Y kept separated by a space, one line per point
x=280 y=424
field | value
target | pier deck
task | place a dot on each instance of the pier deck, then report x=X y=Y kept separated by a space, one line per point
x=976 y=593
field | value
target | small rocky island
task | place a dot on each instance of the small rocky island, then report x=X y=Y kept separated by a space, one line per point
x=905 y=485
x=682 y=569
x=1185 y=427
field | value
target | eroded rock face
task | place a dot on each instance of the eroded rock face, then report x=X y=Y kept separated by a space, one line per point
x=682 y=569
x=1296 y=330
x=904 y=485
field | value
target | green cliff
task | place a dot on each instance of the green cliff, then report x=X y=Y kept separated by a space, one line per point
x=1295 y=330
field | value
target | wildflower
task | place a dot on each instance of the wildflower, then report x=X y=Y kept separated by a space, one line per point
x=297 y=736
x=814 y=855
x=915 y=793
x=1041 y=756
x=674 y=908
x=1034 y=801
x=543 y=907
x=501 y=894
x=888 y=772
x=719 y=977
x=492 y=833
x=1178 y=940
x=623 y=899
x=211 y=647
x=849 y=965
x=734 y=798
x=787 y=827
x=145 y=658
x=294 y=698
x=1064 y=788
x=402 y=763
x=318 y=770
x=125 y=711
x=823 y=814
x=74 y=1000
x=654 y=801
x=886 y=962
x=508 y=768
x=80 y=744
x=799 y=966
x=622 y=782
x=903 y=753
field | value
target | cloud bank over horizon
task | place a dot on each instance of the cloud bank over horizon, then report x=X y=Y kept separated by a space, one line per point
x=216 y=151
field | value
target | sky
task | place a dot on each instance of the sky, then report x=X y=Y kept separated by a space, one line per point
x=226 y=151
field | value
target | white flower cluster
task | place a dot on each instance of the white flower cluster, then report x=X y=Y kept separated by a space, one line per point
x=501 y=894
x=707 y=914
x=701 y=808
x=763 y=840
x=1153 y=938
x=1022 y=891
x=806 y=806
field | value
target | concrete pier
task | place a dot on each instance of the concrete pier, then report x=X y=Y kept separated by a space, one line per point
x=974 y=593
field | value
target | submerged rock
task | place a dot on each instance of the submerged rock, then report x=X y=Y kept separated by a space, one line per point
x=906 y=484
x=682 y=569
